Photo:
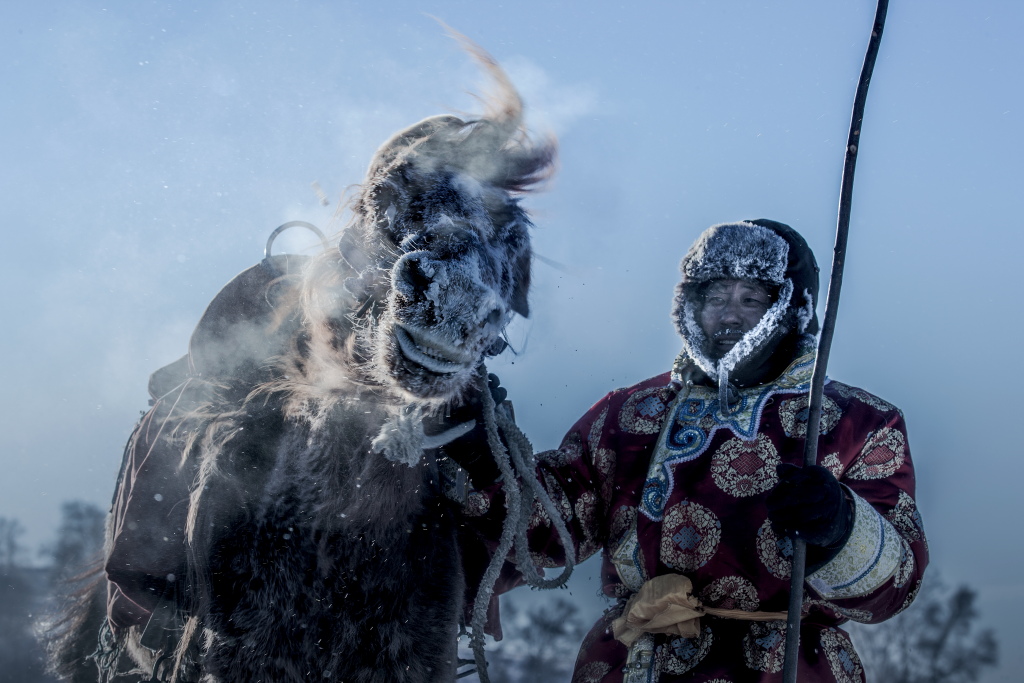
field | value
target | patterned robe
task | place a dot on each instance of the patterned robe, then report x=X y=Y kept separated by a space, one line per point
x=665 y=484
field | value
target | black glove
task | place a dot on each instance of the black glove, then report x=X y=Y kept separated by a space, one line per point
x=498 y=392
x=809 y=503
x=471 y=451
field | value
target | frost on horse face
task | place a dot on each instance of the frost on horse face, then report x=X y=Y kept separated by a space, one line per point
x=464 y=257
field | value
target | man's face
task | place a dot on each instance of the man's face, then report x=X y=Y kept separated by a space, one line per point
x=729 y=310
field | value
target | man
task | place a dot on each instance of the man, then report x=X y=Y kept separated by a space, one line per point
x=695 y=473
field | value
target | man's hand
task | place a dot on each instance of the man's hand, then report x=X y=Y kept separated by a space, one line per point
x=498 y=392
x=809 y=503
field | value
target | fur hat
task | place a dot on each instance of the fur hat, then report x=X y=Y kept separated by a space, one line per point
x=762 y=250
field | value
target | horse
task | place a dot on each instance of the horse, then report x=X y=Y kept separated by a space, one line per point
x=282 y=514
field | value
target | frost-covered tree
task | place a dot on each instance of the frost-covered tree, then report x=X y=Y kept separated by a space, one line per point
x=10 y=543
x=937 y=640
x=20 y=656
x=540 y=643
x=74 y=554
x=79 y=538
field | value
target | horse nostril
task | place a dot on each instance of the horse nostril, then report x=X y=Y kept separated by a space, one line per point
x=415 y=278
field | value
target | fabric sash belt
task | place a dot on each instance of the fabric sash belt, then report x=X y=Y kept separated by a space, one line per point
x=666 y=604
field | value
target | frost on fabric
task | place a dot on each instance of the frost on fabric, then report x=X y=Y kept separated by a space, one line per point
x=805 y=313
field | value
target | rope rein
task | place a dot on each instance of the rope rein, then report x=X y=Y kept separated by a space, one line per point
x=518 y=466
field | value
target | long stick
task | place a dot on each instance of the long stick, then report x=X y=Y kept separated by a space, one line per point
x=796 y=588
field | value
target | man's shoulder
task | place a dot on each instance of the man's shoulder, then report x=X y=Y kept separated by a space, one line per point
x=847 y=395
x=648 y=397
x=637 y=409
x=656 y=382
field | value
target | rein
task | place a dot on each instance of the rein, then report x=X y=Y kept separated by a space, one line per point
x=518 y=468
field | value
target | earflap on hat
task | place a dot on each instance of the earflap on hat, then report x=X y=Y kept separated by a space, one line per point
x=802 y=269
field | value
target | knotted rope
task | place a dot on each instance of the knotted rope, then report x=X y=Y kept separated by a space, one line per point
x=518 y=468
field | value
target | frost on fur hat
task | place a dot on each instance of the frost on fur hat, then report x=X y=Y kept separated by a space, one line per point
x=763 y=250
x=741 y=251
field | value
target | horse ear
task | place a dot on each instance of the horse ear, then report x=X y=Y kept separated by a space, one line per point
x=521 y=293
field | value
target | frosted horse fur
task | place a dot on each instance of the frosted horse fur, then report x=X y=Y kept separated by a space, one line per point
x=320 y=543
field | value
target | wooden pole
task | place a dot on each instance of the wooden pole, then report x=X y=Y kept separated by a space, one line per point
x=796 y=589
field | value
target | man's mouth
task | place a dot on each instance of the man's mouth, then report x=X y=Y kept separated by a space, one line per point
x=727 y=336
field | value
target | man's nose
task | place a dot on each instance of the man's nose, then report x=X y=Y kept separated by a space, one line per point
x=731 y=314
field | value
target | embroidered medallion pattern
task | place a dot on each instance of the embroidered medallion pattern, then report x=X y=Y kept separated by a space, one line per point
x=848 y=392
x=679 y=655
x=833 y=464
x=793 y=413
x=539 y=516
x=746 y=468
x=476 y=505
x=623 y=518
x=764 y=646
x=642 y=413
x=596 y=430
x=570 y=450
x=592 y=672
x=884 y=452
x=775 y=553
x=731 y=592
x=587 y=513
x=905 y=569
x=906 y=518
x=910 y=597
x=842 y=658
x=689 y=537
x=604 y=461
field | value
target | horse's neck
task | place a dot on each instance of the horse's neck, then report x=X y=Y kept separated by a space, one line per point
x=331 y=471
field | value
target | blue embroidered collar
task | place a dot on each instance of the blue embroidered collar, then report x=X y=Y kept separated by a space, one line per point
x=695 y=415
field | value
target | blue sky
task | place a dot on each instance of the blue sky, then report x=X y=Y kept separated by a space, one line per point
x=150 y=147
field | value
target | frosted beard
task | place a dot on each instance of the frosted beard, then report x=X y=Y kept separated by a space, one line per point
x=768 y=330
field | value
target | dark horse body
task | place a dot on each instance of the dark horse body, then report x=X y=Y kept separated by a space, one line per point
x=280 y=515
x=367 y=585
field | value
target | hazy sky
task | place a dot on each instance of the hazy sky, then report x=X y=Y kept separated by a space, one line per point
x=150 y=147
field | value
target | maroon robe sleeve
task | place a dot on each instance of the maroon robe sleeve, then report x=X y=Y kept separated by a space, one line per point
x=580 y=477
x=879 y=570
x=577 y=476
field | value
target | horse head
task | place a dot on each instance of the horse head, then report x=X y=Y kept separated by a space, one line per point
x=436 y=261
